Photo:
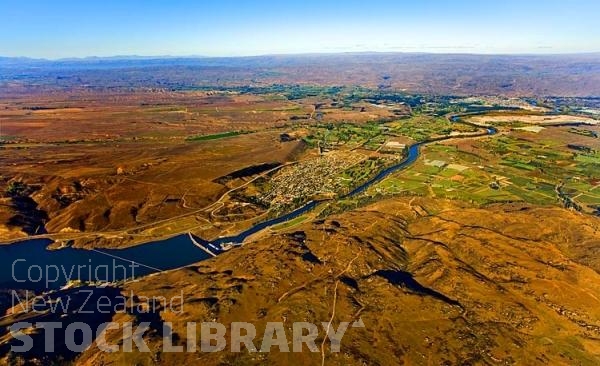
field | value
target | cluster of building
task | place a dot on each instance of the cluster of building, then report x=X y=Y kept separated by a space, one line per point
x=319 y=175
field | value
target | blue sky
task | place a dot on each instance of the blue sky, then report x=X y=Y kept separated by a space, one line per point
x=60 y=28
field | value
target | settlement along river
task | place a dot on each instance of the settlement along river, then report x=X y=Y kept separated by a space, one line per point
x=29 y=265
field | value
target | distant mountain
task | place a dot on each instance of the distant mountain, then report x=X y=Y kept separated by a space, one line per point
x=461 y=74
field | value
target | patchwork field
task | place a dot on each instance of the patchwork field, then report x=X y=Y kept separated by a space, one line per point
x=516 y=165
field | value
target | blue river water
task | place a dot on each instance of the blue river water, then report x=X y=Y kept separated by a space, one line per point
x=29 y=265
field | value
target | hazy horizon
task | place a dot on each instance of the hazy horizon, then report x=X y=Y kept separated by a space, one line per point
x=74 y=29
x=299 y=54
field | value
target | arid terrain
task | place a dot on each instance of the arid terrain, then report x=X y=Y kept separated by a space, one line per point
x=433 y=281
x=118 y=163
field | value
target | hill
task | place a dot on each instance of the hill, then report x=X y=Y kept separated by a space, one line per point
x=434 y=282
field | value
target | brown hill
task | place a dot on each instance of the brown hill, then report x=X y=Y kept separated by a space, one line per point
x=434 y=282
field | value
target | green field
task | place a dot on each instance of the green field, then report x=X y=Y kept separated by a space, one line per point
x=423 y=127
x=527 y=172
x=215 y=136
x=290 y=223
